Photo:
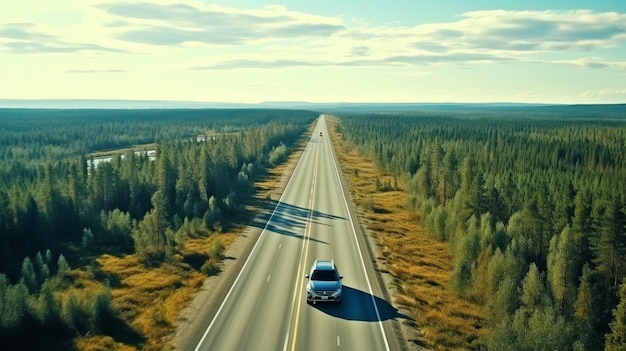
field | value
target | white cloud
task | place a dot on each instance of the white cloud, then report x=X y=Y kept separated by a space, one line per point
x=606 y=94
x=595 y=62
x=182 y=47
x=275 y=37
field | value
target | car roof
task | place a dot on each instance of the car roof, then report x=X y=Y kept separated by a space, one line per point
x=324 y=264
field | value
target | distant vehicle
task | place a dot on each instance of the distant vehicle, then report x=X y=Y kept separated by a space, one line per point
x=320 y=133
x=324 y=282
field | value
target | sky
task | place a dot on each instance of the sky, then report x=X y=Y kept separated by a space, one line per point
x=252 y=51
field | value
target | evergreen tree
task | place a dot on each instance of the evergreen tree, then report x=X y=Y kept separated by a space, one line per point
x=533 y=291
x=436 y=172
x=104 y=314
x=48 y=309
x=609 y=243
x=75 y=315
x=616 y=339
x=504 y=302
x=588 y=310
x=29 y=277
x=582 y=224
x=563 y=271
x=63 y=267
x=150 y=235
x=448 y=182
x=472 y=189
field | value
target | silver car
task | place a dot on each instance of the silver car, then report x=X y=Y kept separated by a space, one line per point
x=324 y=282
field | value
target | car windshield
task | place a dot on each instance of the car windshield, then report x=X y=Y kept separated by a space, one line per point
x=324 y=275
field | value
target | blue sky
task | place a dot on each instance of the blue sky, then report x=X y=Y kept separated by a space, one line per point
x=319 y=51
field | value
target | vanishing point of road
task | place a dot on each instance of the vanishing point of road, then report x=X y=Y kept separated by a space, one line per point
x=266 y=309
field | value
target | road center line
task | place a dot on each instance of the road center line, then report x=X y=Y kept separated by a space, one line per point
x=303 y=259
x=245 y=264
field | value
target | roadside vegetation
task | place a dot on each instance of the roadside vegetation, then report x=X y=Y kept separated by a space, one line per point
x=105 y=257
x=502 y=228
x=419 y=264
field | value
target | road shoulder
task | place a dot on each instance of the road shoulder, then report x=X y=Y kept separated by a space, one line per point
x=196 y=316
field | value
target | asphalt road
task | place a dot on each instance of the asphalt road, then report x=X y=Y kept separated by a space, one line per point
x=266 y=308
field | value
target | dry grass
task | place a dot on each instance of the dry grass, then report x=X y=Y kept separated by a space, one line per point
x=420 y=265
x=101 y=343
x=150 y=299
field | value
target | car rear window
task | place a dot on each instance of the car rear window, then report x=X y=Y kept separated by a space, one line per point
x=324 y=275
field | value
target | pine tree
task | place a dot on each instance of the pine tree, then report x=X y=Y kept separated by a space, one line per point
x=436 y=172
x=16 y=310
x=448 y=182
x=563 y=268
x=616 y=339
x=582 y=224
x=47 y=308
x=609 y=244
x=424 y=181
x=104 y=313
x=472 y=190
x=75 y=315
x=28 y=276
x=63 y=267
x=533 y=290
x=41 y=268
x=587 y=310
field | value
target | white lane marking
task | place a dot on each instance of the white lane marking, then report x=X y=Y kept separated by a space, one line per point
x=206 y=332
x=338 y=341
x=367 y=279
x=279 y=246
x=269 y=277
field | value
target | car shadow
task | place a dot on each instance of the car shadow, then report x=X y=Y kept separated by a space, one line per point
x=358 y=305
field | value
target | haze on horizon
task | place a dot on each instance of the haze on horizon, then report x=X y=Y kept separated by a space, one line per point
x=352 y=51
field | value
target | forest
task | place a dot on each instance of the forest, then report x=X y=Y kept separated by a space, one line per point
x=532 y=204
x=58 y=210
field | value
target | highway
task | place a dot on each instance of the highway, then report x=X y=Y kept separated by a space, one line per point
x=266 y=308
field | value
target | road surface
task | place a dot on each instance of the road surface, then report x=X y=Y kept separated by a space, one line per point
x=266 y=308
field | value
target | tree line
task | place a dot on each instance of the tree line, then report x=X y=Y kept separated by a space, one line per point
x=532 y=205
x=57 y=206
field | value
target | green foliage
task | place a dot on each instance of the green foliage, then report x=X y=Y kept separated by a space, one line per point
x=29 y=277
x=63 y=267
x=543 y=329
x=210 y=268
x=213 y=214
x=588 y=310
x=609 y=241
x=278 y=155
x=616 y=339
x=103 y=314
x=54 y=197
x=23 y=309
x=534 y=294
x=217 y=250
x=117 y=227
x=75 y=315
x=50 y=190
x=511 y=189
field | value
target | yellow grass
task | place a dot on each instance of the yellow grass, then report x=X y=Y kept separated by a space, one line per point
x=420 y=265
x=100 y=343
x=150 y=299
